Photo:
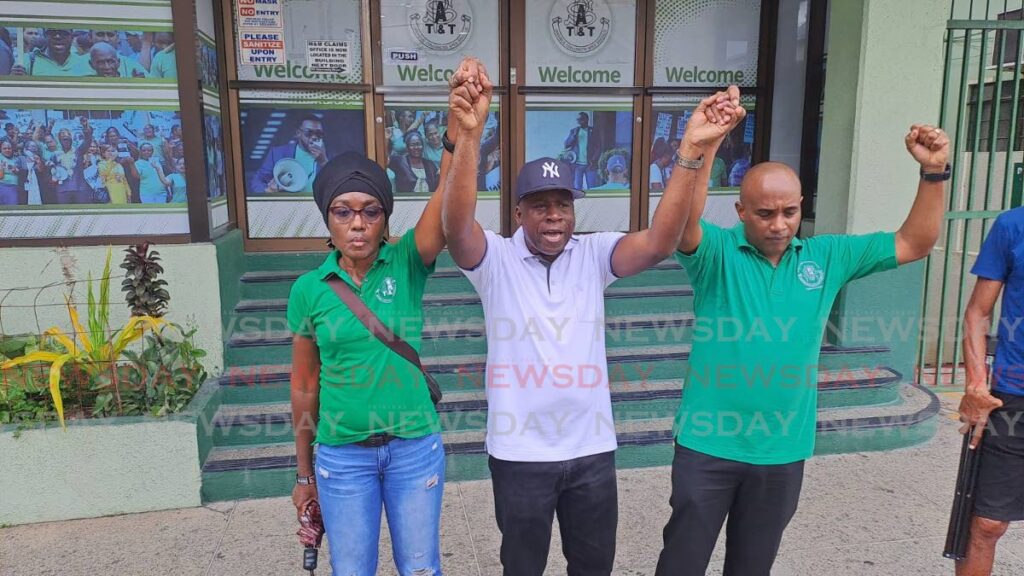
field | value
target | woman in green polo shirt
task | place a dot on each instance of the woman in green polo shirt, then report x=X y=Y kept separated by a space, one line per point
x=367 y=409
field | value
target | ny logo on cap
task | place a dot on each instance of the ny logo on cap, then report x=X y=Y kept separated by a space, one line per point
x=550 y=170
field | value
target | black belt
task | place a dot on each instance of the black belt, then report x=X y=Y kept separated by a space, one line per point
x=376 y=440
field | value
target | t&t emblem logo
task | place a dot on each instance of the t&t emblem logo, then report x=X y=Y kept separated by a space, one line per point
x=580 y=26
x=440 y=27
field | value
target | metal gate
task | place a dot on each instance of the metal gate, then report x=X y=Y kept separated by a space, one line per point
x=981 y=112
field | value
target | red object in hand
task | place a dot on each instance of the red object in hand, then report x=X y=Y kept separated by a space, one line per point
x=311 y=525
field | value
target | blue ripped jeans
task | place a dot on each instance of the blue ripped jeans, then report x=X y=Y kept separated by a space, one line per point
x=406 y=477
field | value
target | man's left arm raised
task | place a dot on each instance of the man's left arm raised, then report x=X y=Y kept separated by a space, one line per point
x=917 y=236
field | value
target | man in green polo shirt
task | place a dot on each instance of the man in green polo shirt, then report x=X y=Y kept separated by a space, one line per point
x=57 y=59
x=106 y=63
x=165 y=64
x=762 y=297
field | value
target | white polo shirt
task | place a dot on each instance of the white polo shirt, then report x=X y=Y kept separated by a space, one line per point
x=547 y=390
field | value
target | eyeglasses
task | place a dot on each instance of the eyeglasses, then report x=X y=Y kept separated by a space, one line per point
x=345 y=215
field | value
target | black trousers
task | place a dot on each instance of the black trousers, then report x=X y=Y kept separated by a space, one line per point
x=758 y=500
x=582 y=492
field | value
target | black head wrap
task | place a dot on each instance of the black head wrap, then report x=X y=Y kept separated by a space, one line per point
x=352 y=172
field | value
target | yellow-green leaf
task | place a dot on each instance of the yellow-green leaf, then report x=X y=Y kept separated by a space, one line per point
x=132 y=331
x=79 y=330
x=59 y=336
x=58 y=400
x=37 y=356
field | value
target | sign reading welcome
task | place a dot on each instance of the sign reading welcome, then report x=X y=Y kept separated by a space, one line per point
x=580 y=42
x=709 y=43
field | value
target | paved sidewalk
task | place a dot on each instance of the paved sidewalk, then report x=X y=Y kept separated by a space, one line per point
x=874 y=513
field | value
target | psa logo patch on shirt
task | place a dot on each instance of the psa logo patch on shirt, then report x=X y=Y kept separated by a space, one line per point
x=387 y=289
x=810 y=274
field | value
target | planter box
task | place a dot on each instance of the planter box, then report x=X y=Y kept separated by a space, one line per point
x=105 y=466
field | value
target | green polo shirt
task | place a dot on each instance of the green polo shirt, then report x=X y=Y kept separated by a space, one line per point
x=365 y=388
x=75 y=65
x=165 y=64
x=752 y=379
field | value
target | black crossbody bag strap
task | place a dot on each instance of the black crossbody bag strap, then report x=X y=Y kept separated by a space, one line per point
x=382 y=332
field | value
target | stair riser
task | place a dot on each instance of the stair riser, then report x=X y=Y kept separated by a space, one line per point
x=246 y=383
x=454 y=343
x=281 y=288
x=219 y=486
x=276 y=320
x=308 y=261
x=447 y=284
x=267 y=433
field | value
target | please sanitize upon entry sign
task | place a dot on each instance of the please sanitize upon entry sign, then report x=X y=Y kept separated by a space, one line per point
x=261 y=47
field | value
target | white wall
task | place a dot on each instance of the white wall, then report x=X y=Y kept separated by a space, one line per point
x=190 y=271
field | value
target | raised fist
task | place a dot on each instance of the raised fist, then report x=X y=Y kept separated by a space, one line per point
x=470 y=98
x=714 y=118
x=929 y=146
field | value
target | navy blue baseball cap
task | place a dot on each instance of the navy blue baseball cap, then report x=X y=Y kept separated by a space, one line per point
x=545 y=174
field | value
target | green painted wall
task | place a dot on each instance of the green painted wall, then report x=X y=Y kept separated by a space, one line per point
x=190 y=271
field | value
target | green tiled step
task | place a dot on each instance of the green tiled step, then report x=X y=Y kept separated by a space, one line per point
x=446 y=284
x=624 y=363
x=466 y=336
x=471 y=297
x=259 y=423
x=618 y=305
x=443 y=270
x=284 y=261
x=268 y=469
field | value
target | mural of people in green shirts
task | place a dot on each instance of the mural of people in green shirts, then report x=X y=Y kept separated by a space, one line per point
x=56 y=59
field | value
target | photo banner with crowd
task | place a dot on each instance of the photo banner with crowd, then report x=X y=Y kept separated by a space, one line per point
x=91 y=141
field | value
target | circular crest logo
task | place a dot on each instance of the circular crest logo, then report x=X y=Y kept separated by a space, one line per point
x=580 y=27
x=387 y=290
x=440 y=27
x=811 y=275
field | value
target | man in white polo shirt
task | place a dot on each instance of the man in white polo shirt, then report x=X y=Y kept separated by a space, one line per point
x=550 y=434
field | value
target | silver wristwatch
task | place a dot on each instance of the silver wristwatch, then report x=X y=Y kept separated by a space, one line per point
x=305 y=480
x=691 y=164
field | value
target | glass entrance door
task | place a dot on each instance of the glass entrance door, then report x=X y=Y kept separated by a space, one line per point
x=604 y=85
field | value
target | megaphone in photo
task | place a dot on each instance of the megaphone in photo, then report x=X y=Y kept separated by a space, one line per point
x=290 y=175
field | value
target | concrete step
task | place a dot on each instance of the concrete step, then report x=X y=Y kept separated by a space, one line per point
x=275 y=319
x=267 y=418
x=289 y=276
x=467 y=297
x=473 y=328
x=625 y=363
x=268 y=469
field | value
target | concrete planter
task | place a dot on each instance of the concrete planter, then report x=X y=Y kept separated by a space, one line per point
x=105 y=466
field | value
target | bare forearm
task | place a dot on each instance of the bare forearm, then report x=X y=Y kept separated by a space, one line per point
x=976 y=327
x=692 y=231
x=675 y=210
x=429 y=232
x=305 y=409
x=459 y=213
x=919 y=232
